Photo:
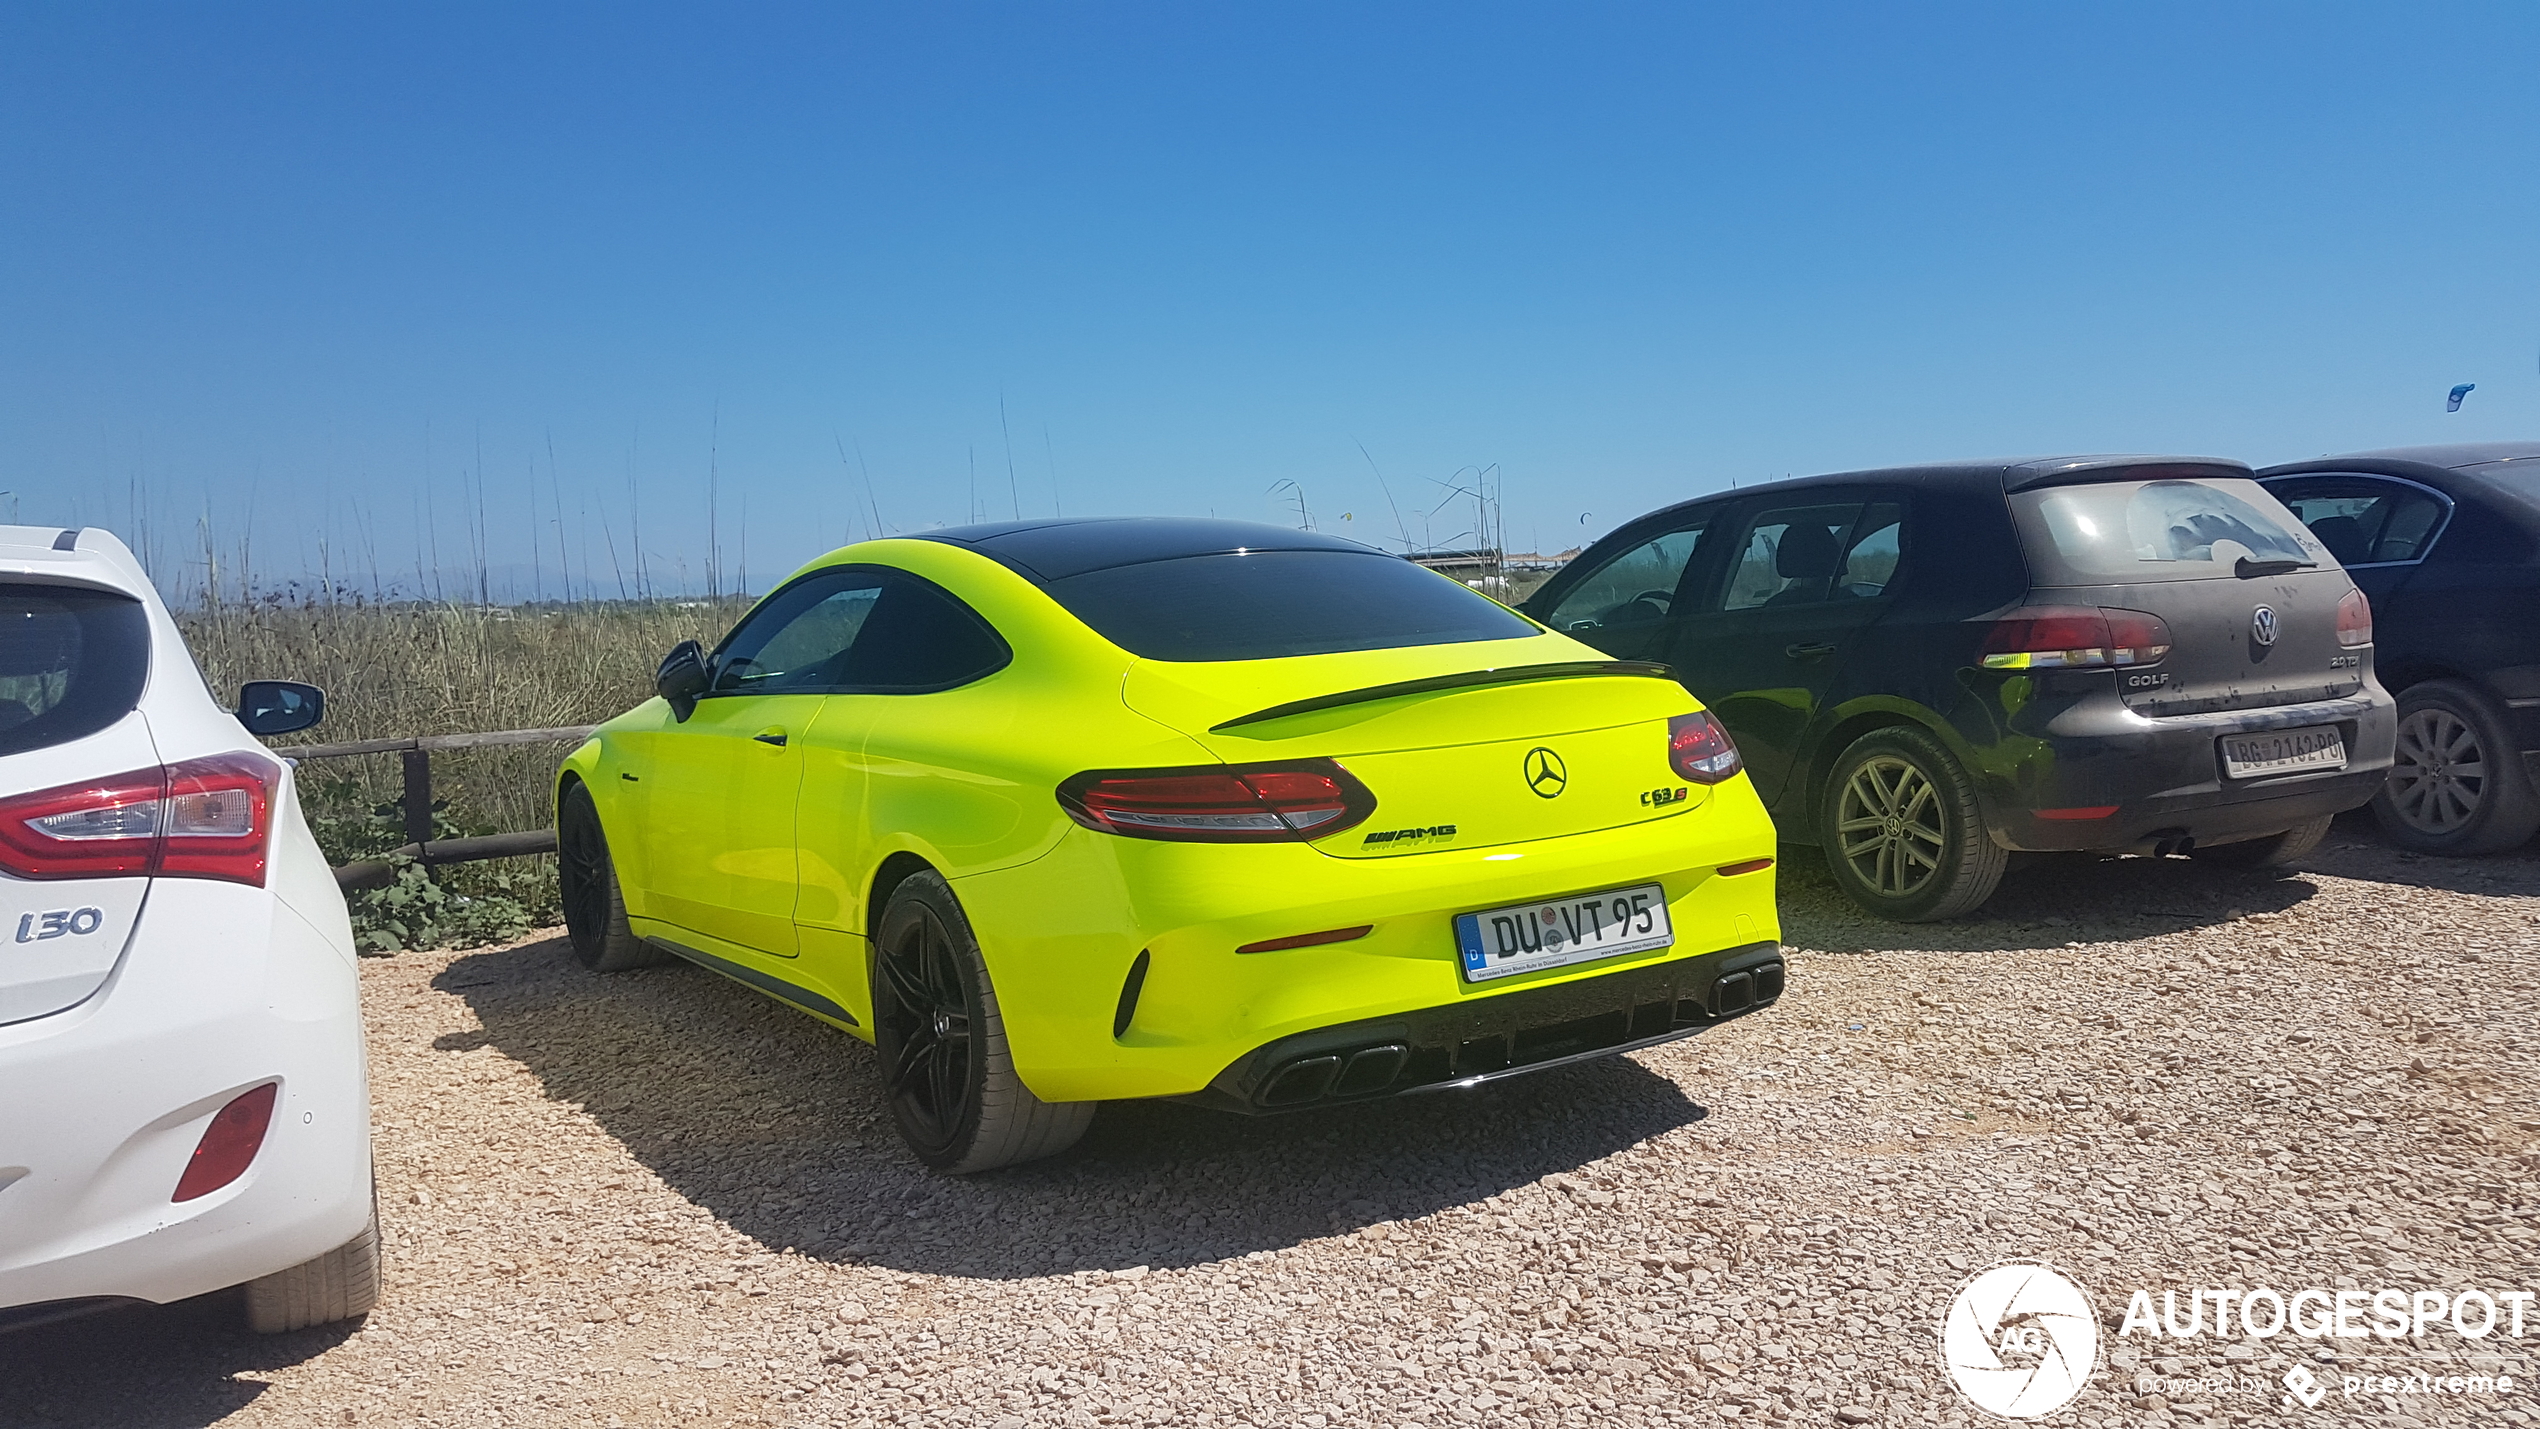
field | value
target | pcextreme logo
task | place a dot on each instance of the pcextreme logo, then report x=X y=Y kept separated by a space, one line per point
x=2020 y=1339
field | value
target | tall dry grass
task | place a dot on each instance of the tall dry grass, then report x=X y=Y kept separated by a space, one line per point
x=396 y=670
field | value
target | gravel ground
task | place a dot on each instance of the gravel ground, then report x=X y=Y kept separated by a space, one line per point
x=659 y=1199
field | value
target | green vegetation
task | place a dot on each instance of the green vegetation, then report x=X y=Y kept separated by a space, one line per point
x=396 y=670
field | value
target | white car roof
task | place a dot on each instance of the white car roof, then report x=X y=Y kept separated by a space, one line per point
x=90 y=556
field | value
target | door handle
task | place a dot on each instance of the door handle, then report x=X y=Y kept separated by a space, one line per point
x=772 y=736
x=1807 y=652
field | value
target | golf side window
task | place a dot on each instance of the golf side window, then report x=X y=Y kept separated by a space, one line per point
x=1624 y=607
x=1789 y=555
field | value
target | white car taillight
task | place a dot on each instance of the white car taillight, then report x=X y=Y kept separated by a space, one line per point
x=203 y=818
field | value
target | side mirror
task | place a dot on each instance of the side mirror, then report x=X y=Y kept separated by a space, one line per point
x=270 y=707
x=682 y=677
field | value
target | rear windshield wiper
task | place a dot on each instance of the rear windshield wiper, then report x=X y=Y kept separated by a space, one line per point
x=2249 y=570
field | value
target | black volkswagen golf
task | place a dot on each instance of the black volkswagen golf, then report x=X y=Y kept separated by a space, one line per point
x=1931 y=668
x=2446 y=543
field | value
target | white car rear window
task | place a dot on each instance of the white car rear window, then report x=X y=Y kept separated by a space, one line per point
x=72 y=661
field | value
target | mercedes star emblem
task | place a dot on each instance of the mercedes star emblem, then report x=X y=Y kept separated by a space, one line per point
x=1545 y=773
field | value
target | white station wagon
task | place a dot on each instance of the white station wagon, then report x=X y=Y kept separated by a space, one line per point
x=184 y=1100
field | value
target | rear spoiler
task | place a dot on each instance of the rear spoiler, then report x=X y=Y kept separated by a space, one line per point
x=2028 y=476
x=1460 y=680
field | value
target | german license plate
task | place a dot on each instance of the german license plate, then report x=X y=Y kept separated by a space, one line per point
x=1529 y=937
x=2274 y=751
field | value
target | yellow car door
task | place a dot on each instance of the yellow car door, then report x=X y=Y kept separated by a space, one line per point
x=722 y=792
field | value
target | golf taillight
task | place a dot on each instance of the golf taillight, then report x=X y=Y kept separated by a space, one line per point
x=2074 y=637
x=1699 y=748
x=1226 y=803
x=229 y=1144
x=203 y=818
x=2354 y=620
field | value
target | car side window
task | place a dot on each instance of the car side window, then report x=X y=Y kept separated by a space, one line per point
x=1789 y=555
x=798 y=642
x=919 y=638
x=2363 y=520
x=1872 y=553
x=1623 y=607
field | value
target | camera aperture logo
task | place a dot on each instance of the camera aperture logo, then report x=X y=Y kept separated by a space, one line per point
x=2020 y=1339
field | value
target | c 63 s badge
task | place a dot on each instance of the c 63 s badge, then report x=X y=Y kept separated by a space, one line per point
x=1393 y=836
x=1661 y=798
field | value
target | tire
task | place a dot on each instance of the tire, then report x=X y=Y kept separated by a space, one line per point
x=2273 y=851
x=586 y=881
x=2459 y=784
x=946 y=1068
x=338 y=1285
x=1903 y=835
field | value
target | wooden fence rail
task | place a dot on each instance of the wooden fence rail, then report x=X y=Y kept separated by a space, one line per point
x=416 y=803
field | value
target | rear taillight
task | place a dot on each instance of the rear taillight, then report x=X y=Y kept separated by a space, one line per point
x=1253 y=803
x=1699 y=748
x=2074 y=637
x=204 y=818
x=2354 y=620
x=229 y=1144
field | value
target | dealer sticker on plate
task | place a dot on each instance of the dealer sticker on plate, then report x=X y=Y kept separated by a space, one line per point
x=2317 y=746
x=1503 y=942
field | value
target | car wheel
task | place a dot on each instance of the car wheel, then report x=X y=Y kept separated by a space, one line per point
x=2272 y=851
x=945 y=1064
x=2458 y=784
x=586 y=880
x=338 y=1285
x=1903 y=835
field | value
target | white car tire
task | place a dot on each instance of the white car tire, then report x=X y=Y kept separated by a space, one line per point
x=338 y=1285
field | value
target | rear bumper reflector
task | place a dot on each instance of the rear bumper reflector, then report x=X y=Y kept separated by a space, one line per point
x=1309 y=940
x=2095 y=811
x=1752 y=865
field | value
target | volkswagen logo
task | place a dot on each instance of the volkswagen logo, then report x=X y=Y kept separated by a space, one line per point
x=1545 y=773
x=2262 y=625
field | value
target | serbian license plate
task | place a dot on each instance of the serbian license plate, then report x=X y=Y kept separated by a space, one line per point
x=2316 y=746
x=1503 y=942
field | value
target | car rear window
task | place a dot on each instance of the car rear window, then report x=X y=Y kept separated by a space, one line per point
x=1261 y=605
x=2133 y=531
x=72 y=661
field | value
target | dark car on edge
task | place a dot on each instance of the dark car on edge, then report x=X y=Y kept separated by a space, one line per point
x=2446 y=541
x=1931 y=668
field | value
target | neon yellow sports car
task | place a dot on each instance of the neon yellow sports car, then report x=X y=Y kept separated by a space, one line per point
x=1067 y=811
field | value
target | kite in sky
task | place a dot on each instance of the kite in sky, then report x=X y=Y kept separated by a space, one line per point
x=2457 y=394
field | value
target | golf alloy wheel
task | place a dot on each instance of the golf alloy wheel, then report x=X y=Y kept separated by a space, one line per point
x=1888 y=826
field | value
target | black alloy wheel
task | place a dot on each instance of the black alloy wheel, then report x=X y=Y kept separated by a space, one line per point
x=586 y=883
x=923 y=1014
x=946 y=1069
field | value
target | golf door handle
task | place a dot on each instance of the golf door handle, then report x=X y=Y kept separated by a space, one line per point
x=1810 y=651
x=772 y=736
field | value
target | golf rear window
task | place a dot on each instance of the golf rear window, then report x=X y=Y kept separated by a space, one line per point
x=2135 y=531
x=72 y=661
x=1261 y=605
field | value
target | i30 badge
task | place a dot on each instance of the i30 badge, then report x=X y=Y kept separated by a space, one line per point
x=2262 y=625
x=1545 y=773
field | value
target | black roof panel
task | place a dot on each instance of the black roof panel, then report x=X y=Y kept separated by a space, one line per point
x=1062 y=547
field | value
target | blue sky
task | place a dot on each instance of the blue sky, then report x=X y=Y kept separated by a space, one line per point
x=305 y=272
